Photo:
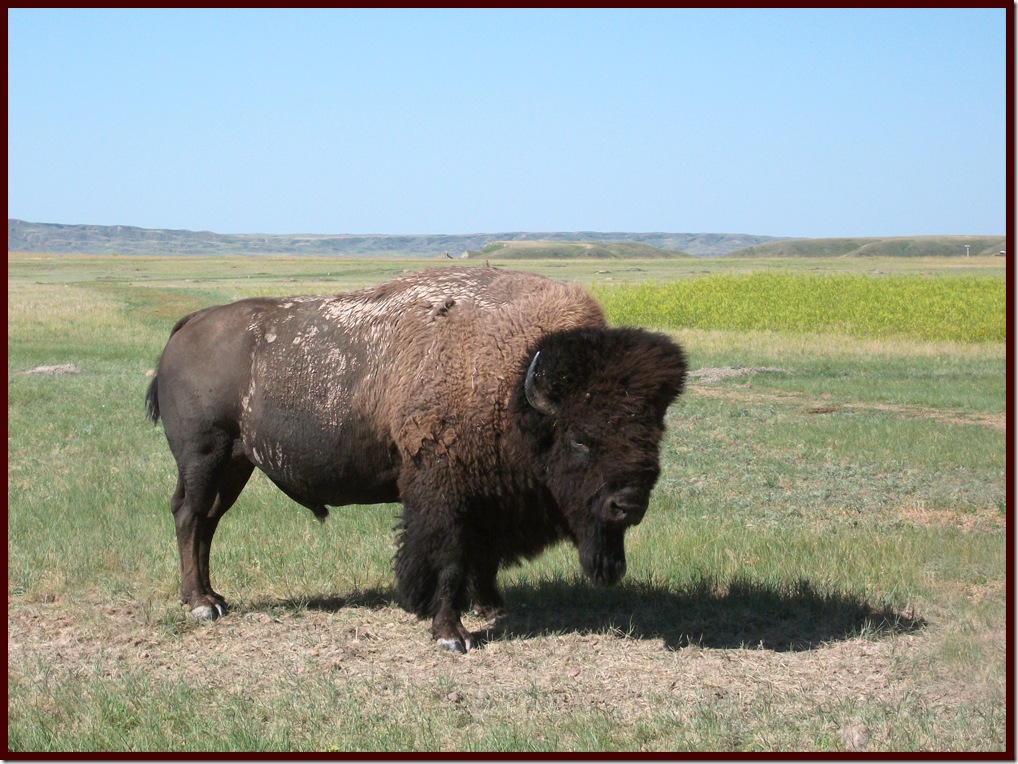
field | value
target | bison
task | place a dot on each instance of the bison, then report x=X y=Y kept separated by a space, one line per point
x=497 y=406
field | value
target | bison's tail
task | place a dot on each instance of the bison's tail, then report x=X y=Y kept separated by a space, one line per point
x=152 y=396
x=152 y=402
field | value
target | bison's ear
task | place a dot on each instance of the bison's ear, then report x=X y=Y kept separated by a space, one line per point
x=670 y=389
x=536 y=389
x=669 y=365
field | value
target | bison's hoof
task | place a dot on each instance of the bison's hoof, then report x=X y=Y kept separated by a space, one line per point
x=209 y=612
x=452 y=645
x=457 y=645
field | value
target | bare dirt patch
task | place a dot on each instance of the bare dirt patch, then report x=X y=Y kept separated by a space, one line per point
x=63 y=368
x=975 y=520
x=710 y=375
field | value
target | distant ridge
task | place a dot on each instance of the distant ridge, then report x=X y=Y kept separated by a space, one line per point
x=888 y=246
x=571 y=250
x=55 y=238
x=23 y=236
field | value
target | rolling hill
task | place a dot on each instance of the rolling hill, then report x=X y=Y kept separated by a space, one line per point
x=585 y=250
x=23 y=236
x=896 y=246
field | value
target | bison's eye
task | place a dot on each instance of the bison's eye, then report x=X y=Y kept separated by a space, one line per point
x=579 y=451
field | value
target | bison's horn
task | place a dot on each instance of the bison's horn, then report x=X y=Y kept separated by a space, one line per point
x=535 y=397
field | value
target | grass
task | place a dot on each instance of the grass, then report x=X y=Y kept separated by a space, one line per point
x=946 y=308
x=825 y=550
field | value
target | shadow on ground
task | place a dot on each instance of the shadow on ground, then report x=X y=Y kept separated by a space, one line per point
x=374 y=599
x=743 y=614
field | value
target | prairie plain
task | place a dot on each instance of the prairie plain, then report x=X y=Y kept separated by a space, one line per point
x=823 y=567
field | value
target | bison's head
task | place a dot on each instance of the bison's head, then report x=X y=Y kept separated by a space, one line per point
x=591 y=410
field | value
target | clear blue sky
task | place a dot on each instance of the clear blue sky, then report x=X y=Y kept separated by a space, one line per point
x=836 y=122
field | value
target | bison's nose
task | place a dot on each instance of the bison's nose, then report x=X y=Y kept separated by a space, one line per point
x=626 y=506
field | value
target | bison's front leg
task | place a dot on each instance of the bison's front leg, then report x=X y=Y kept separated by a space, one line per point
x=446 y=627
x=488 y=602
x=431 y=577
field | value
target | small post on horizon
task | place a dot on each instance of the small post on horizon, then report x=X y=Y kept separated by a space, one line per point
x=967 y=250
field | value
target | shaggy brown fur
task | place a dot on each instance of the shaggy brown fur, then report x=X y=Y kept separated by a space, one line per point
x=416 y=391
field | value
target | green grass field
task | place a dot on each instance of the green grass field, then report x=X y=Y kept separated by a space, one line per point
x=952 y=308
x=822 y=569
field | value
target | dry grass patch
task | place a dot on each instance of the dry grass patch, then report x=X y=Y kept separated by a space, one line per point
x=976 y=520
x=651 y=697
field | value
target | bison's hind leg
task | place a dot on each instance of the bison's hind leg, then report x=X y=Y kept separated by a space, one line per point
x=206 y=489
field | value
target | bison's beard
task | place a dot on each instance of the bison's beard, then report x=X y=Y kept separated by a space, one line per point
x=602 y=554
